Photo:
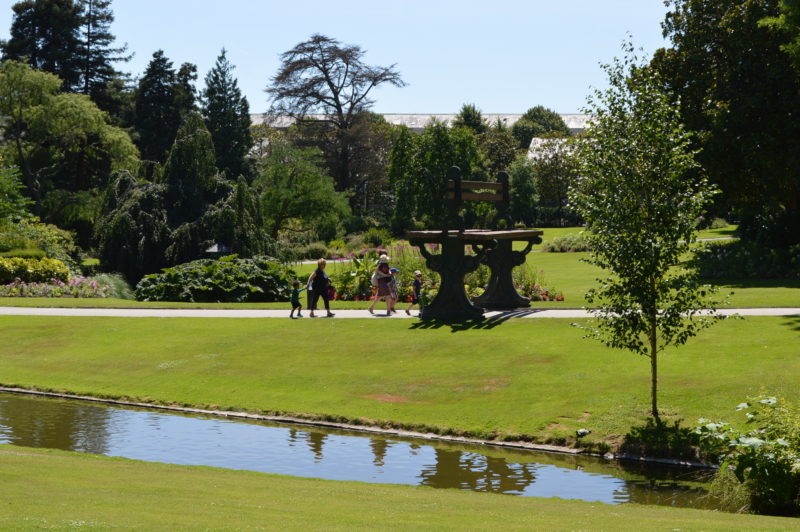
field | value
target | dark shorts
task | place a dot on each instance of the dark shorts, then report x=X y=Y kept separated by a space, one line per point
x=296 y=304
x=315 y=295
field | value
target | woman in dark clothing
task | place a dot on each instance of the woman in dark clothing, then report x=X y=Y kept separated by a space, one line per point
x=318 y=283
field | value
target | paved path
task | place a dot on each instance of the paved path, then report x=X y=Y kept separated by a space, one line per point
x=268 y=313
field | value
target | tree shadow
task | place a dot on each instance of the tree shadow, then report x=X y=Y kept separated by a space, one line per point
x=487 y=322
x=753 y=283
x=793 y=322
x=661 y=440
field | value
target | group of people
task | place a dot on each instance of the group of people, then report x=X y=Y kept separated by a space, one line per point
x=384 y=288
x=384 y=283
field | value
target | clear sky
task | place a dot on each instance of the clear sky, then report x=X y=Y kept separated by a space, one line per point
x=503 y=55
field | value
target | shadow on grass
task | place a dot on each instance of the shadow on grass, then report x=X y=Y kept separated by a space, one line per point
x=484 y=323
x=793 y=322
x=754 y=283
x=663 y=440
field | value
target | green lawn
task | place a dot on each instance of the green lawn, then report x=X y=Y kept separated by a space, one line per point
x=538 y=378
x=44 y=489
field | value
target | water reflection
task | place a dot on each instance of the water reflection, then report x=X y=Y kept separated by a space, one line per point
x=80 y=427
x=474 y=472
x=332 y=454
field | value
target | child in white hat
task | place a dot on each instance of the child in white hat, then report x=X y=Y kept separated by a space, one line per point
x=416 y=290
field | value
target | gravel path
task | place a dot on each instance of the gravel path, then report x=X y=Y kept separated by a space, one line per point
x=381 y=315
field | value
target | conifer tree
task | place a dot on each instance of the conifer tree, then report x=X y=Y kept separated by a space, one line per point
x=47 y=33
x=190 y=172
x=227 y=115
x=157 y=117
x=97 y=55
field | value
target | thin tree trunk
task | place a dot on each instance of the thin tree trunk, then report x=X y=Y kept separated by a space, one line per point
x=654 y=352
x=654 y=372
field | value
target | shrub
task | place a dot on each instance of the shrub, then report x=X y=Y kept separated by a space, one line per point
x=83 y=287
x=376 y=237
x=32 y=270
x=569 y=243
x=54 y=242
x=312 y=251
x=746 y=259
x=228 y=279
x=764 y=460
x=116 y=285
x=27 y=253
x=718 y=223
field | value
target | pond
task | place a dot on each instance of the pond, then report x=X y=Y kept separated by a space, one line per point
x=307 y=451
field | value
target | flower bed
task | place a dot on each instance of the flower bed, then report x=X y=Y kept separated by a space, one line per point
x=352 y=279
x=75 y=287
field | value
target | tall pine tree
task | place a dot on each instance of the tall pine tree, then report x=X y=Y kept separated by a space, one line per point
x=164 y=98
x=227 y=115
x=97 y=54
x=47 y=34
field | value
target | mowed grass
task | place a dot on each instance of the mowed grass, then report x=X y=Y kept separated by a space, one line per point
x=44 y=489
x=533 y=378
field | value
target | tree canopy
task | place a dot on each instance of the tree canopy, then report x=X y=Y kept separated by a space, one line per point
x=47 y=34
x=536 y=122
x=227 y=116
x=738 y=90
x=470 y=116
x=63 y=145
x=164 y=97
x=293 y=187
x=323 y=76
x=641 y=196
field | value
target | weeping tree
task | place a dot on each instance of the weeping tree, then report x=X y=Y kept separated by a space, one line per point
x=640 y=193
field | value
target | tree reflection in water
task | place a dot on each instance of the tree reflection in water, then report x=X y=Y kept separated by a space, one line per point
x=32 y=422
x=463 y=470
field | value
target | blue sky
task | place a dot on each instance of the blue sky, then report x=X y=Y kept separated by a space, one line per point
x=505 y=56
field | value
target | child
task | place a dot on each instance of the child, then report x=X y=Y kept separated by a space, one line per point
x=296 y=299
x=393 y=288
x=417 y=289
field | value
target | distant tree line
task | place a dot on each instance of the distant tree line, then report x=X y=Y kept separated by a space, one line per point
x=151 y=170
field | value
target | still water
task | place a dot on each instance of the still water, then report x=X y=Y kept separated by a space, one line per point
x=338 y=455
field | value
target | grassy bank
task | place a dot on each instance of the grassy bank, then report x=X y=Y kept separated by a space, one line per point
x=97 y=493
x=522 y=377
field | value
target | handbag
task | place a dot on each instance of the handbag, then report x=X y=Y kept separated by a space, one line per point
x=331 y=291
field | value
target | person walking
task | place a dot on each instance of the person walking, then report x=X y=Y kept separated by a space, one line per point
x=296 y=305
x=416 y=290
x=318 y=283
x=383 y=277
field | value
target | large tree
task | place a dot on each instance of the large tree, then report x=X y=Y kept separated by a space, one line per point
x=164 y=97
x=227 y=116
x=13 y=203
x=738 y=90
x=641 y=196
x=47 y=34
x=470 y=116
x=97 y=56
x=418 y=167
x=323 y=76
x=294 y=188
x=149 y=225
x=63 y=145
x=536 y=122
x=788 y=22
